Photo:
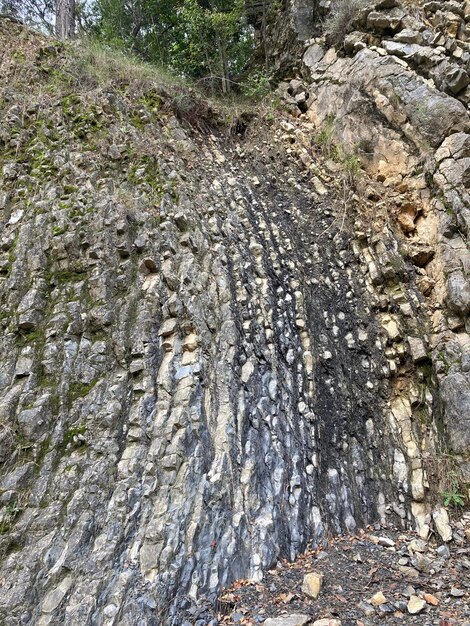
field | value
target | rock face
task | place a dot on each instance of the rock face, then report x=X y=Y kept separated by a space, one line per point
x=395 y=96
x=193 y=380
x=200 y=356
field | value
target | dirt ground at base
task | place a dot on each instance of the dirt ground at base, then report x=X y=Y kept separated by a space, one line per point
x=354 y=569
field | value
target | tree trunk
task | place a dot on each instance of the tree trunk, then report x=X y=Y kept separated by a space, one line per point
x=223 y=64
x=65 y=19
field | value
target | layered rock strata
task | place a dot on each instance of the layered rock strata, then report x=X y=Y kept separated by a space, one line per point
x=198 y=371
x=395 y=94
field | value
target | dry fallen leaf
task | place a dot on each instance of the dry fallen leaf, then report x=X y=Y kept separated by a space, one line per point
x=284 y=597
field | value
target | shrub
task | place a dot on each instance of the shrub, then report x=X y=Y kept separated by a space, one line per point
x=256 y=85
x=340 y=20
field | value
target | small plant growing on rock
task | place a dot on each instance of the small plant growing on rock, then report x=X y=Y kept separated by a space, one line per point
x=445 y=479
x=324 y=139
x=350 y=163
x=452 y=497
x=10 y=512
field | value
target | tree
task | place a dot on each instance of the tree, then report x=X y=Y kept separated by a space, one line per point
x=213 y=42
x=65 y=14
x=37 y=13
x=209 y=40
x=144 y=26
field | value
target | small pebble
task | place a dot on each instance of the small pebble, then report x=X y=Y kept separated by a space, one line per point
x=378 y=599
x=415 y=605
x=457 y=593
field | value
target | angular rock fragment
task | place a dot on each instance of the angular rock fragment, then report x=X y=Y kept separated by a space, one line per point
x=430 y=599
x=417 y=349
x=441 y=522
x=168 y=327
x=458 y=293
x=378 y=599
x=288 y=620
x=416 y=605
x=311 y=585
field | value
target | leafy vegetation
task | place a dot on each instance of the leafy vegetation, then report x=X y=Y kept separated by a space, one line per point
x=39 y=13
x=256 y=85
x=446 y=478
x=208 y=41
x=212 y=42
x=451 y=496
x=349 y=161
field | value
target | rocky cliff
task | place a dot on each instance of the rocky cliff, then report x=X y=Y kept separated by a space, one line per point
x=395 y=94
x=217 y=349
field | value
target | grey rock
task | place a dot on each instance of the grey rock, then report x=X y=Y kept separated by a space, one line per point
x=409 y=36
x=3 y=199
x=457 y=79
x=417 y=349
x=457 y=593
x=456 y=146
x=387 y=20
x=288 y=620
x=458 y=293
x=313 y=55
x=296 y=87
x=443 y=551
x=114 y=152
x=402 y=50
x=455 y=393
x=56 y=595
x=422 y=563
x=18 y=478
x=168 y=327
x=352 y=43
x=180 y=362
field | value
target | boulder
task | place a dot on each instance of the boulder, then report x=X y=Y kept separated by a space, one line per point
x=409 y=36
x=313 y=55
x=457 y=79
x=388 y=20
x=457 y=146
